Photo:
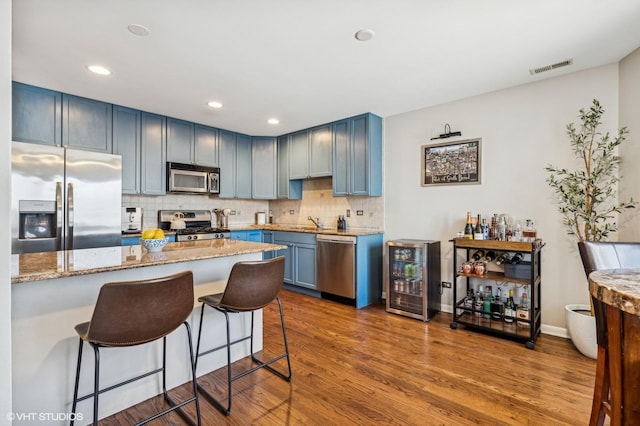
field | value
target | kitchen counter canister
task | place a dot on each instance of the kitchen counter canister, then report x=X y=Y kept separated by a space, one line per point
x=51 y=265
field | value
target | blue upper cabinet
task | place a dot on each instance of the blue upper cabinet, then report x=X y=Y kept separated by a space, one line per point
x=299 y=155
x=320 y=158
x=191 y=143
x=286 y=187
x=227 y=158
x=86 y=124
x=37 y=115
x=264 y=161
x=206 y=145
x=310 y=153
x=180 y=141
x=243 y=166
x=235 y=165
x=127 y=143
x=357 y=156
x=153 y=167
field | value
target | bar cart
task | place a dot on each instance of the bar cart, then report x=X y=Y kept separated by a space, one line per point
x=524 y=277
x=412 y=278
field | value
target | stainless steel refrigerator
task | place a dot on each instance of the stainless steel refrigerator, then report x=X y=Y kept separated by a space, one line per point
x=64 y=199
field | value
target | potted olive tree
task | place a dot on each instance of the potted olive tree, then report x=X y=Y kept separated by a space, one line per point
x=588 y=201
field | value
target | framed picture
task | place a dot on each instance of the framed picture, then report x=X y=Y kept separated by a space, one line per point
x=451 y=163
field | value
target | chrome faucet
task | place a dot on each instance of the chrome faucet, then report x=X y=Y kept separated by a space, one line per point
x=315 y=222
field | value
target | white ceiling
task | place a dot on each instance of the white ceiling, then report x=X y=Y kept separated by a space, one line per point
x=298 y=60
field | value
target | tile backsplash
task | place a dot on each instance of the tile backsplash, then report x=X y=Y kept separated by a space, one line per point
x=317 y=202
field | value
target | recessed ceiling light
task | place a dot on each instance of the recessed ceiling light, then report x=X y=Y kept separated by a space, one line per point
x=98 y=69
x=364 y=35
x=139 y=30
x=214 y=104
x=273 y=121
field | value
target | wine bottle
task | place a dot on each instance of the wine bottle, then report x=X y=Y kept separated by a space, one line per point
x=468 y=228
x=488 y=258
x=517 y=258
x=478 y=233
x=523 y=312
x=503 y=258
x=479 y=254
x=509 y=308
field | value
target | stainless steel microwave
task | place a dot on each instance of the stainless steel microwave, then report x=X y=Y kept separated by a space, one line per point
x=192 y=179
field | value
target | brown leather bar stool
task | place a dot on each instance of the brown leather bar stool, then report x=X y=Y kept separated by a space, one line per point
x=251 y=286
x=607 y=390
x=133 y=313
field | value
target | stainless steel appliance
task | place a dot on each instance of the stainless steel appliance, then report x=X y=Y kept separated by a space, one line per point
x=197 y=225
x=412 y=278
x=336 y=265
x=131 y=220
x=64 y=199
x=192 y=179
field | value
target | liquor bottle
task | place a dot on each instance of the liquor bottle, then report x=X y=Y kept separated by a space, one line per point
x=529 y=231
x=468 y=228
x=517 y=258
x=470 y=299
x=503 y=258
x=502 y=229
x=497 y=306
x=509 y=308
x=479 y=303
x=270 y=216
x=479 y=254
x=493 y=228
x=522 y=312
x=478 y=233
x=488 y=298
x=488 y=258
x=485 y=229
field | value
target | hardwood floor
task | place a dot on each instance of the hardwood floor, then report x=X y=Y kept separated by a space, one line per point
x=365 y=367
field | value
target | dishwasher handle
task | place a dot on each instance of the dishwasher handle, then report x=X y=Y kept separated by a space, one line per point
x=336 y=239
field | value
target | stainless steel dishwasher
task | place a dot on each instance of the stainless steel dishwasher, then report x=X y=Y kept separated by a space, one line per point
x=337 y=265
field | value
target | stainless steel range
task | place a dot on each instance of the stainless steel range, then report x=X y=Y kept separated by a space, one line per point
x=197 y=225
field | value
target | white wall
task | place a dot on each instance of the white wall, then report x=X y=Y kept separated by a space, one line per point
x=630 y=149
x=5 y=187
x=522 y=130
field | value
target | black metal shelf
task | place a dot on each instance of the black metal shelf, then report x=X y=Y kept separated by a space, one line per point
x=475 y=318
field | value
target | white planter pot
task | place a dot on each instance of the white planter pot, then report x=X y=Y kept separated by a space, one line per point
x=582 y=329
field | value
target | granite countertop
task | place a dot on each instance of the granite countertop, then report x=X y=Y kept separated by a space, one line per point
x=50 y=265
x=617 y=287
x=352 y=232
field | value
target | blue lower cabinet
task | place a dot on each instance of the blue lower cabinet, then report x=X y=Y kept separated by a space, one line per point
x=252 y=235
x=267 y=237
x=300 y=258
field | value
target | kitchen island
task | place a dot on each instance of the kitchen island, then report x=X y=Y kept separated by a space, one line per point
x=54 y=291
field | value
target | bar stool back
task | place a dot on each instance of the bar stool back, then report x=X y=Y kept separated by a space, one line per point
x=251 y=286
x=607 y=392
x=133 y=313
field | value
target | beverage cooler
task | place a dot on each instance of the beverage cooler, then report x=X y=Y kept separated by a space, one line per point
x=412 y=278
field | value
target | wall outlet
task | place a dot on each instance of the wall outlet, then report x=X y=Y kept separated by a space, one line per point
x=446 y=284
x=360 y=212
x=348 y=212
x=232 y=212
x=292 y=212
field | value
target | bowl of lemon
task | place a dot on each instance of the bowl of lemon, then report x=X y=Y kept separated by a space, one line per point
x=154 y=240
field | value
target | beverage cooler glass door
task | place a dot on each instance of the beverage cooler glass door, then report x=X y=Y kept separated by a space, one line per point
x=406 y=290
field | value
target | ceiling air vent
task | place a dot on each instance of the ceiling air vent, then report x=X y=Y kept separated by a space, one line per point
x=551 y=67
